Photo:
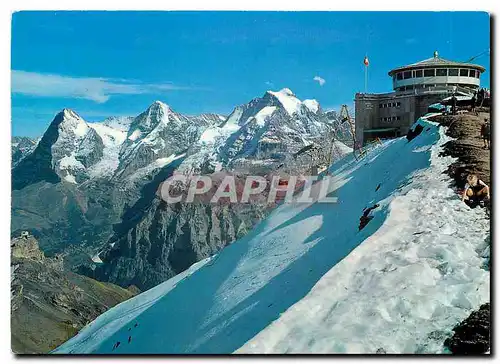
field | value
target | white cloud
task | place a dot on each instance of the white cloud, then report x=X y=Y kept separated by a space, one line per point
x=320 y=80
x=90 y=88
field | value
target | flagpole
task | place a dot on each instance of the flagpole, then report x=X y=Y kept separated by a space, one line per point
x=366 y=79
x=366 y=63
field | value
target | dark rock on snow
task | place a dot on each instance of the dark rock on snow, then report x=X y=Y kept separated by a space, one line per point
x=472 y=336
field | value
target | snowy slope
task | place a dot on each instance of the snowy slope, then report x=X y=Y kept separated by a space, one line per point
x=305 y=279
x=404 y=288
x=113 y=134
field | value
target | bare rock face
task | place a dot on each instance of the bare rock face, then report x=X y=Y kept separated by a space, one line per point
x=467 y=146
x=26 y=247
x=49 y=304
x=472 y=336
x=156 y=242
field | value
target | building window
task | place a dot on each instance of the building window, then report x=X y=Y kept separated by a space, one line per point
x=478 y=74
x=429 y=73
x=464 y=72
x=409 y=87
x=472 y=73
x=399 y=76
x=418 y=73
x=398 y=118
x=398 y=104
x=453 y=72
x=441 y=72
x=407 y=74
x=379 y=106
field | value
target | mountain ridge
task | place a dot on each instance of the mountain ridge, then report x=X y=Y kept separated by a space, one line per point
x=100 y=180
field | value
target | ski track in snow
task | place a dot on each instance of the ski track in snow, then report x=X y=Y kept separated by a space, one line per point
x=305 y=280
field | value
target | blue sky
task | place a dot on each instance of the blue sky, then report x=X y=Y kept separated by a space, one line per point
x=117 y=63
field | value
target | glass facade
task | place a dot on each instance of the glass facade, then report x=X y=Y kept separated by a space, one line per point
x=440 y=72
x=429 y=73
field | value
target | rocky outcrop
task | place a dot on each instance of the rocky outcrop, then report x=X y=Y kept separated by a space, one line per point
x=26 y=247
x=50 y=304
x=472 y=336
x=414 y=132
x=467 y=146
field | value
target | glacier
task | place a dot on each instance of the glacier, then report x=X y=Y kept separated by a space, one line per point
x=306 y=280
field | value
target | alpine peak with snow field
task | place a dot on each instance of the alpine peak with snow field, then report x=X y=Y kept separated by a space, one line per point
x=250 y=183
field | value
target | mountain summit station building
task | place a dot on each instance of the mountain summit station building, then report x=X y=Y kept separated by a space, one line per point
x=416 y=86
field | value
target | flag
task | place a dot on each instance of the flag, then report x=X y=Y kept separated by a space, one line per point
x=366 y=61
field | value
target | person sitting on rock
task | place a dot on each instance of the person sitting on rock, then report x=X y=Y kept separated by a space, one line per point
x=476 y=192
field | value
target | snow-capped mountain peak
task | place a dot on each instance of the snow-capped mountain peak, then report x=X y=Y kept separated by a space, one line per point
x=157 y=112
x=70 y=145
x=286 y=91
x=155 y=117
x=312 y=105
x=287 y=99
x=72 y=123
x=268 y=127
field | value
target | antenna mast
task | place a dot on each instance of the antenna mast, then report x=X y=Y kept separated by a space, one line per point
x=344 y=117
